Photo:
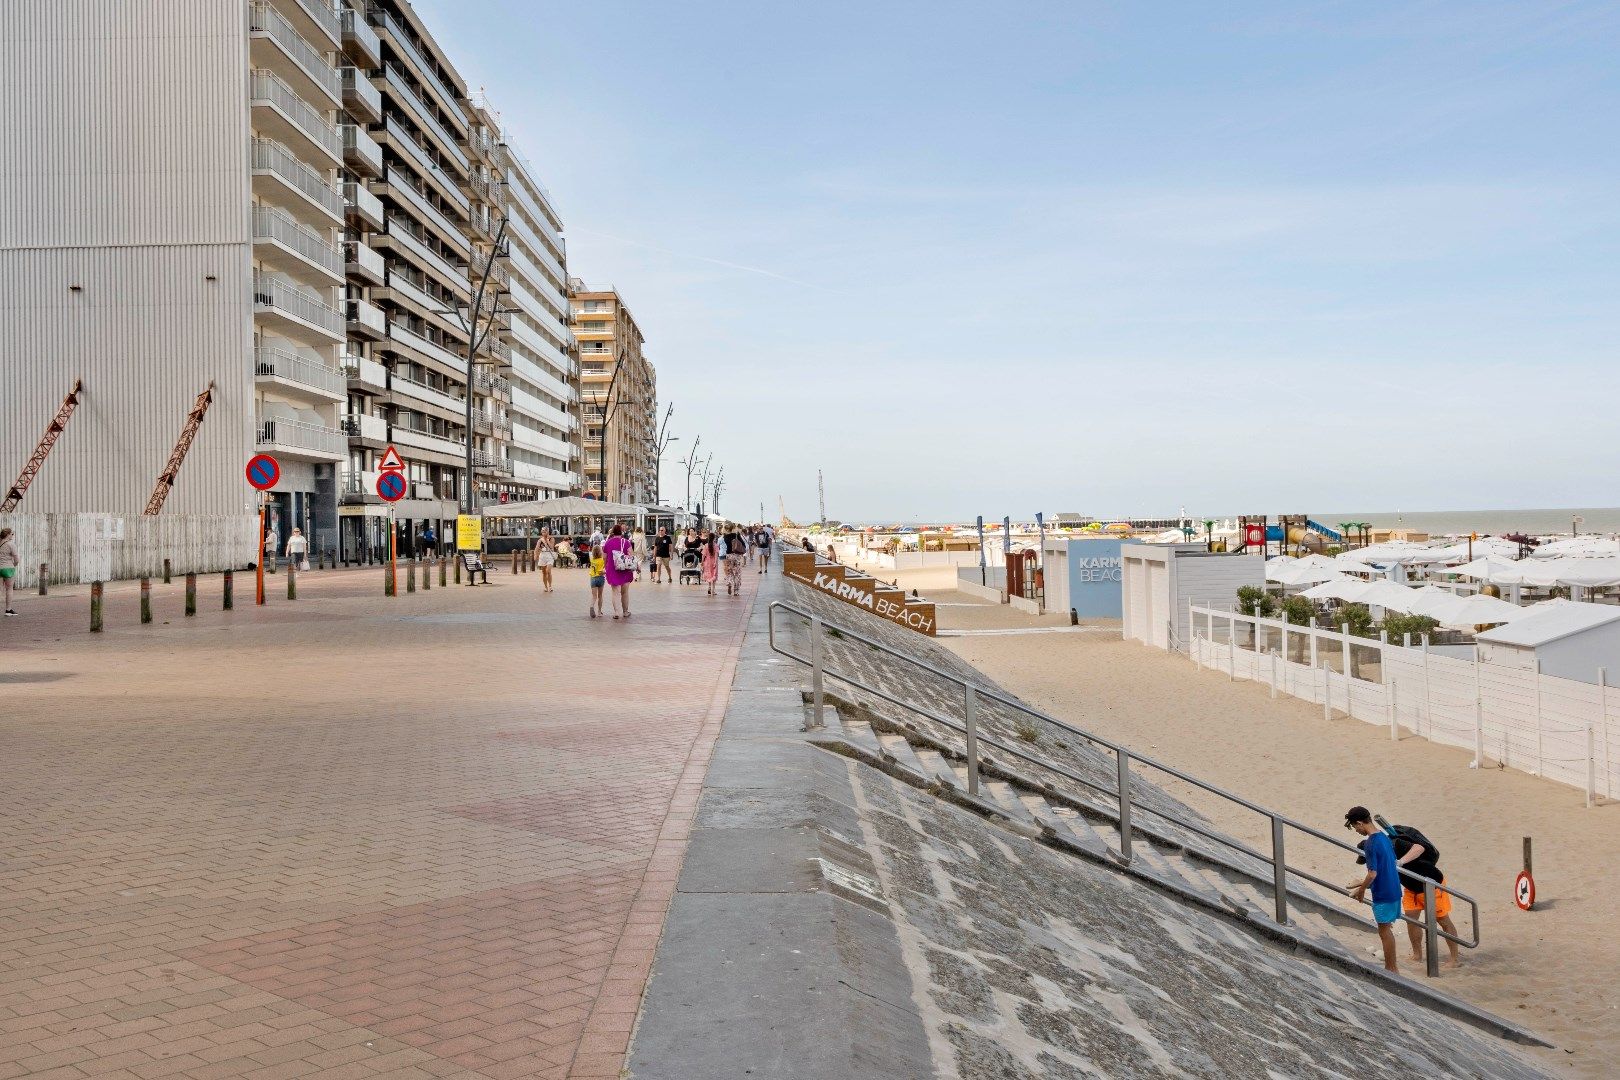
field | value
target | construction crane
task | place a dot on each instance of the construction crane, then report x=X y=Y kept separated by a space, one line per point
x=53 y=431
x=821 y=494
x=194 y=419
x=787 y=522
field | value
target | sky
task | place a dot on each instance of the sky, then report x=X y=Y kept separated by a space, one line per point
x=1115 y=259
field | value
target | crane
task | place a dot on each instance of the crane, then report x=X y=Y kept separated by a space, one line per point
x=821 y=494
x=787 y=522
x=53 y=431
x=194 y=419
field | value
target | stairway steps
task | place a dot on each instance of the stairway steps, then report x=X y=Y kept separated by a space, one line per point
x=937 y=768
x=1006 y=796
x=898 y=750
x=860 y=734
x=1174 y=866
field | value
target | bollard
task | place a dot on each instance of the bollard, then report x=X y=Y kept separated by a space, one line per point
x=427 y=574
x=44 y=573
x=292 y=579
x=191 y=593
x=514 y=562
x=410 y=576
x=146 y=600
x=389 y=585
x=95 y=607
x=458 y=570
x=166 y=571
x=230 y=599
x=441 y=571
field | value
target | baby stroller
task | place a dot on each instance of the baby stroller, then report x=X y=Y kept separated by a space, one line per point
x=691 y=568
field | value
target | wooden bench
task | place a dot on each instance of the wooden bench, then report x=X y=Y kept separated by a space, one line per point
x=474 y=564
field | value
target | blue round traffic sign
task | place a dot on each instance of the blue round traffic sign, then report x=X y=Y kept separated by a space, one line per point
x=391 y=486
x=263 y=471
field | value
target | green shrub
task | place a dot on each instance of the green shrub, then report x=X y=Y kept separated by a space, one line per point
x=1358 y=617
x=1253 y=600
x=1398 y=626
x=1298 y=610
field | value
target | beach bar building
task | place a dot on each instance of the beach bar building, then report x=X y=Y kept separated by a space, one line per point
x=1159 y=581
x=1568 y=640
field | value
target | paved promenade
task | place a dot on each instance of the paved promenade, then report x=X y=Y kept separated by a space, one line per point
x=346 y=836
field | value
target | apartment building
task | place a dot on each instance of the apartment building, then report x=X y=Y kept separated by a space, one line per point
x=300 y=205
x=618 y=396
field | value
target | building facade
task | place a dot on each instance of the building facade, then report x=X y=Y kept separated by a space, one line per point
x=618 y=397
x=322 y=226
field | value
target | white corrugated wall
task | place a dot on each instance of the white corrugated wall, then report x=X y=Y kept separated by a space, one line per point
x=124 y=248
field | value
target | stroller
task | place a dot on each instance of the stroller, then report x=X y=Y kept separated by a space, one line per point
x=691 y=568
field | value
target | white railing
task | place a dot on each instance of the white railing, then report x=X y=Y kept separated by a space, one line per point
x=363 y=257
x=359 y=140
x=355 y=83
x=423 y=392
x=364 y=202
x=323 y=15
x=454 y=276
x=268 y=86
x=283 y=364
x=365 y=371
x=405 y=142
x=368 y=315
x=411 y=339
x=271 y=157
x=299 y=435
x=426 y=440
x=356 y=27
x=267 y=20
x=272 y=223
x=363 y=426
x=424 y=117
x=1561 y=729
x=284 y=296
x=399 y=182
x=424 y=70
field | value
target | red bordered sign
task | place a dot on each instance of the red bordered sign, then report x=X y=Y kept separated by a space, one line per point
x=1524 y=891
x=263 y=471
x=391 y=486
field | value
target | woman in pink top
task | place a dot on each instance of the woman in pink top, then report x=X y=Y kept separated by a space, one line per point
x=616 y=549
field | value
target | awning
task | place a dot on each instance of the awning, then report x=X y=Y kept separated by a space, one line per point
x=565 y=506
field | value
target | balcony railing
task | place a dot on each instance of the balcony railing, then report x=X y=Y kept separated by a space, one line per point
x=366 y=372
x=424 y=70
x=271 y=157
x=277 y=363
x=267 y=86
x=359 y=95
x=363 y=204
x=358 y=36
x=410 y=435
x=406 y=145
x=451 y=274
x=322 y=14
x=300 y=435
x=421 y=391
x=361 y=151
x=407 y=191
x=425 y=119
x=271 y=223
x=367 y=317
x=363 y=262
x=271 y=293
x=264 y=19
x=362 y=426
x=425 y=346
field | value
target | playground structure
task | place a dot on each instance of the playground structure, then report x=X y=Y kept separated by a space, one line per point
x=1296 y=533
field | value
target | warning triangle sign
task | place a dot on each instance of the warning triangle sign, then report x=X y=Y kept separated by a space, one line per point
x=390 y=460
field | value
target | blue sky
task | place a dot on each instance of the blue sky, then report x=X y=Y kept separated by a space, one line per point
x=1108 y=258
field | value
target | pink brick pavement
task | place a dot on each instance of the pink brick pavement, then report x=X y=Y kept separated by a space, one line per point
x=346 y=836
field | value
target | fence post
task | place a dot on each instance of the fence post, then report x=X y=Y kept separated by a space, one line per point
x=1123 y=758
x=1591 y=767
x=1479 y=716
x=970 y=715
x=1231 y=648
x=166 y=572
x=1283 y=645
x=1273 y=676
x=457 y=563
x=817 y=689
x=292 y=579
x=1603 y=718
x=1279 y=871
x=1394 y=713
x=44 y=573
x=410 y=576
x=191 y=592
x=146 y=600
x=1541 y=762
x=229 y=599
x=1344 y=644
x=442 y=570
x=95 y=607
x=1428 y=706
x=1431 y=932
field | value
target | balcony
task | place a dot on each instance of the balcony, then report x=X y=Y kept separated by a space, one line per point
x=368 y=428
x=426 y=121
x=363 y=264
x=360 y=42
x=361 y=206
x=364 y=374
x=453 y=449
x=425 y=348
x=422 y=392
x=294 y=311
x=316 y=20
x=358 y=487
x=400 y=289
x=399 y=187
x=284 y=116
x=423 y=71
x=401 y=237
x=404 y=144
x=366 y=320
x=297 y=374
x=279 y=175
x=360 y=97
x=360 y=151
x=298 y=439
x=275 y=46
x=282 y=243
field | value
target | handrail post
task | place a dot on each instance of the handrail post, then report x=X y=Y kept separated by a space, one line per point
x=970 y=714
x=818 y=698
x=1279 y=871
x=1123 y=757
x=1431 y=932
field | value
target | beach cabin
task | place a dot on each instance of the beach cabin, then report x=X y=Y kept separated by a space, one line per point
x=1570 y=640
x=1160 y=580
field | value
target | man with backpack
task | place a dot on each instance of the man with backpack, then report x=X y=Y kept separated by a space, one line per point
x=1416 y=854
x=762 y=545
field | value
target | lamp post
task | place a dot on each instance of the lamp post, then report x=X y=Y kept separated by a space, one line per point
x=691 y=466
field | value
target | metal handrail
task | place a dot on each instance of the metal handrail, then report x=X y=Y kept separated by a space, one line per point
x=1121 y=792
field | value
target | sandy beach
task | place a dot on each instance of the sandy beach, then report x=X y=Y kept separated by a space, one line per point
x=1555 y=969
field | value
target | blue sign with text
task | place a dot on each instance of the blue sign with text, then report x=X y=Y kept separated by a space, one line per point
x=1095 y=578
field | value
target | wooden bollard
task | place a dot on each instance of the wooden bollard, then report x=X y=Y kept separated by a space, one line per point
x=442 y=571
x=191 y=593
x=95 y=607
x=427 y=574
x=410 y=575
x=292 y=579
x=44 y=574
x=458 y=570
x=146 y=600
x=230 y=598
x=165 y=571
x=514 y=562
x=389 y=585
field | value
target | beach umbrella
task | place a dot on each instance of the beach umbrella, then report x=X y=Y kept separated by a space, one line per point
x=1387 y=594
x=1466 y=612
x=1492 y=568
x=1298 y=572
x=1340 y=587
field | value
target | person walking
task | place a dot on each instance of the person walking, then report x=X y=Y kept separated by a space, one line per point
x=1417 y=854
x=430 y=540
x=736 y=557
x=545 y=556
x=663 y=554
x=762 y=548
x=598 y=564
x=638 y=545
x=1382 y=876
x=8 y=566
x=298 y=549
x=711 y=559
x=272 y=544
x=620 y=553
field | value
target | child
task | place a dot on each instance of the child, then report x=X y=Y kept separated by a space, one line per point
x=598 y=577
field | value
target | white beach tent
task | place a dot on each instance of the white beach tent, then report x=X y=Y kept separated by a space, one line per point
x=1340 y=587
x=1388 y=594
x=1286 y=571
x=1485 y=569
x=1484 y=547
x=1579 y=546
x=1466 y=612
x=1589 y=573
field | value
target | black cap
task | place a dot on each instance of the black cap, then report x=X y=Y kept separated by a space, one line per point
x=1356 y=814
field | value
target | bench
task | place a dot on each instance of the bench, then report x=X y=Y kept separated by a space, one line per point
x=474 y=564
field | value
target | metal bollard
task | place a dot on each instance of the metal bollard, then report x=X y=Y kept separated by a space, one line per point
x=442 y=571
x=146 y=600
x=229 y=594
x=1124 y=762
x=970 y=724
x=410 y=576
x=44 y=573
x=95 y=607
x=292 y=579
x=191 y=593
x=166 y=571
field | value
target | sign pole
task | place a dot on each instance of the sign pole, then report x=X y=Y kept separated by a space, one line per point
x=393 y=536
x=259 y=562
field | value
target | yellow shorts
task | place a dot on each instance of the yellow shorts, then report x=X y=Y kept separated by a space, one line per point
x=1412 y=903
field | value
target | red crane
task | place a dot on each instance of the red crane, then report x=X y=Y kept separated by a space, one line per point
x=194 y=419
x=53 y=431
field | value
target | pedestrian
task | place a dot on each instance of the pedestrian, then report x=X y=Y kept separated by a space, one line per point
x=298 y=549
x=711 y=559
x=545 y=556
x=8 y=566
x=663 y=554
x=762 y=547
x=1382 y=876
x=430 y=540
x=598 y=564
x=1417 y=854
x=638 y=545
x=807 y=545
x=736 y=557
x=272 y=544
x=620 y=553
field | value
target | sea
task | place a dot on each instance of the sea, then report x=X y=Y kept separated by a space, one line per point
x=1596 y=519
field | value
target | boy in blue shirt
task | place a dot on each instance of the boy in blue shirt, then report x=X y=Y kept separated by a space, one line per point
x=1382 y=875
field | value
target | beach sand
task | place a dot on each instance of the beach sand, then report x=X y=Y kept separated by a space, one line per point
x=1555 y=970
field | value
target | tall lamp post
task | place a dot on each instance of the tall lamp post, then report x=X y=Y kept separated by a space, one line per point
x=691 y=466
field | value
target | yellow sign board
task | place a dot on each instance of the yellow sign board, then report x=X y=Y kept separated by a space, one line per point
x=469 y=532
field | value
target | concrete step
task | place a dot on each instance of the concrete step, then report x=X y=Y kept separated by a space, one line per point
x=1006 y=796
x=860 y=734
x=937 y=768
x=1095 y=836
x=1169 y=865
x=898 y=750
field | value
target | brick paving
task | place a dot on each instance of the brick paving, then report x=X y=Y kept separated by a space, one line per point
x=346 y=836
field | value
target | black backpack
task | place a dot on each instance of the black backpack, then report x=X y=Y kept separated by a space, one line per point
x=1411 y=835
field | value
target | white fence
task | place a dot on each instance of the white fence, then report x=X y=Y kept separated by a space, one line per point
x=1556 y=728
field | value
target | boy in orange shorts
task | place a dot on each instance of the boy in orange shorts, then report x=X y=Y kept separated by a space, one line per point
x=1415 y=853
